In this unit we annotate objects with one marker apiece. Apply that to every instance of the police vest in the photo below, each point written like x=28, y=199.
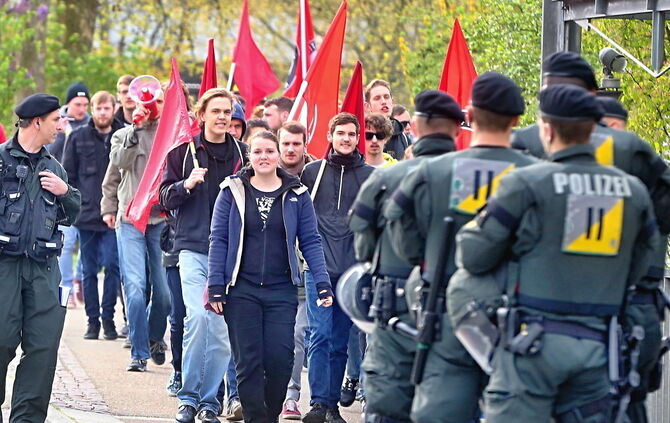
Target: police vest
x=28, y=213
x=575, y=246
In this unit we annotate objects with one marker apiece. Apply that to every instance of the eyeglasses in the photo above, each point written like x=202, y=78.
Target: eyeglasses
x=380, y=135
x=404, y=123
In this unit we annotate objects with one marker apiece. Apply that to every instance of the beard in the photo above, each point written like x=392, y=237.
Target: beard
x=102, y=123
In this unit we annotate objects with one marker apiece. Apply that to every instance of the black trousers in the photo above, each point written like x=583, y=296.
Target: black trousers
x=260, y=324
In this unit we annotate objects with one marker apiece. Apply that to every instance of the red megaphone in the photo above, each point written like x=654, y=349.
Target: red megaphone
x=145, y=90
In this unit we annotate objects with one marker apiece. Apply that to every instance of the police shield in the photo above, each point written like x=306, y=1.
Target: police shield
x=471, y=302
x=354, y=295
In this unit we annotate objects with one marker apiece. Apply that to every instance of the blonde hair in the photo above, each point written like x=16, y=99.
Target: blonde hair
x=201, y=105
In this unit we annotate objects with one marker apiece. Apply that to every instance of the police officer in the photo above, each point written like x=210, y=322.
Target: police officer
x=634, y=156
x=579, y=234
x=388, y=358
x=34, y=199
x=456, y=185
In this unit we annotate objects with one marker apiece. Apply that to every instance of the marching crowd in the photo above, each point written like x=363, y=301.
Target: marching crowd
x=251, y=235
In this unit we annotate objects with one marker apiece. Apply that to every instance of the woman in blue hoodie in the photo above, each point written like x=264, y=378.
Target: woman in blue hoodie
x=260, y=216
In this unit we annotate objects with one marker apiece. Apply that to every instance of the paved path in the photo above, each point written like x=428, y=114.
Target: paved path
x=92, y=386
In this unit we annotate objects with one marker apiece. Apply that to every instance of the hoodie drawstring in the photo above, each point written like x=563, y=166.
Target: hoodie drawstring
x=339, y=195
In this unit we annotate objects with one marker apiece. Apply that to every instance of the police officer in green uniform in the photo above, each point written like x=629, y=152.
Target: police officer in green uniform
x=34, y=199
x=388, y=358
x=578, y=235
x=628, y=152
x=457, y=185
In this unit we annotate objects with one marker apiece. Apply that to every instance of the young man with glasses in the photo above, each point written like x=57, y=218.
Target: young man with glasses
x=378, y=99
x=378, y=130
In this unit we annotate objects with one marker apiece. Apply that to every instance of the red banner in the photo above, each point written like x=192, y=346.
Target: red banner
x=354, y=102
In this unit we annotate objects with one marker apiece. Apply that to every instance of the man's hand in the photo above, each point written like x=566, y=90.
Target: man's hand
x=196, y=177
x=53, y=183
x=110, y=220
x=217, y=306
x=140, y=115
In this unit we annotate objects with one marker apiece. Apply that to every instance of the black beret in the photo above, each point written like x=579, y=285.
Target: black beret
x=437, y=104
x=569, y=103
x=36, y=105
x=78, y=89
x=612, y=108
x=497, y=93
x=567, y=64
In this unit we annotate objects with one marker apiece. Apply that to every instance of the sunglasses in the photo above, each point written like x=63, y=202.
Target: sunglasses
x=404, y=123
x=380, y=135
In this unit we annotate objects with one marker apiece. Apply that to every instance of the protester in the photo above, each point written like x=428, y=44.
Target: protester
x=125, y=113
x=138, y=252
x=32, y=303
x=276, y=112
x=237, y=126
x=77, y=100
x=401, y=114
x=292, y=158
x=263, y=206
x=378, y=99
x=378, y=131
x=85, y=159
x=339, y=177
x=254, y=126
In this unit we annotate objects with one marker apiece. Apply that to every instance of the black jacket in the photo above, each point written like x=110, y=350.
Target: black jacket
x=341, y=180
x=398, y=143
x=85, y=160
x=193, y=216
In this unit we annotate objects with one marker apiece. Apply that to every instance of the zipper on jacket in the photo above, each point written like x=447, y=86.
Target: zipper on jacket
x=265, y=242
x=339, y=195
x=283, y=219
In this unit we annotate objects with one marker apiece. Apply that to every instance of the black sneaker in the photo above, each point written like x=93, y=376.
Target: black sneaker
x=92, y=331
x=348, y=392
x=316, y=415
x=208, y=416
x=333, y=416
x=137, y=366
x=186, y=414
x=109, y=330
x=157, y=350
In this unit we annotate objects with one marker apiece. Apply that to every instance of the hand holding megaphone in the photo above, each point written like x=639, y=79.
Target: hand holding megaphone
x=145, y=90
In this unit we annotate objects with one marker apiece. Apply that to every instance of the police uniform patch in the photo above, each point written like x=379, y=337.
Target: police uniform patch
x=593, y=225
x=474, y=181
x=604, y=145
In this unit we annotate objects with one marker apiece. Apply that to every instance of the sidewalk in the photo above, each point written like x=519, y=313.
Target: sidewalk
x=92, y=385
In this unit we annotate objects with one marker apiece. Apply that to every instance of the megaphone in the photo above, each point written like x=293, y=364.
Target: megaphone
x=145, y=90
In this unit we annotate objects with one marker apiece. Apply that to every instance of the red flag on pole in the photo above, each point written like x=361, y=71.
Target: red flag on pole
x=354, y=102
x=458, y=75
x=209, y=71
x=316, y=101
x=173, y=130
x=252, y=72
x=305, y=50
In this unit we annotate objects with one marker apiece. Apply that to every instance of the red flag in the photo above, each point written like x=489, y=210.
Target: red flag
x=458, y=75
x=354, y=102
x=3, y=136
x=316, y=102
x=173, y=130
x=305, y=51
x=252, y=72
x=209, y=72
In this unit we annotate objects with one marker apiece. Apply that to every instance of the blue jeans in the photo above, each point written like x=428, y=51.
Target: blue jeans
x=327, y=352
x=229, y=384
x=65, y=261
x=354, y=354
x=98, y=249
x=177, y=315
x=206, y=352
x=145, y=322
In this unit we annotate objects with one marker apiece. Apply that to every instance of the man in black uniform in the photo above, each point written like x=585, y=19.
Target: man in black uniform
x=34, y=199
x=388, y=359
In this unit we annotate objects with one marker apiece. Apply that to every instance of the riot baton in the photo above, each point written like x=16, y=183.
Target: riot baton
x=430, y=316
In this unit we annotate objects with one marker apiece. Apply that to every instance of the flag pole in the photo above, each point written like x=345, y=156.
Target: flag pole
x=303, y=40
x=229, y=85
x=298, y=100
